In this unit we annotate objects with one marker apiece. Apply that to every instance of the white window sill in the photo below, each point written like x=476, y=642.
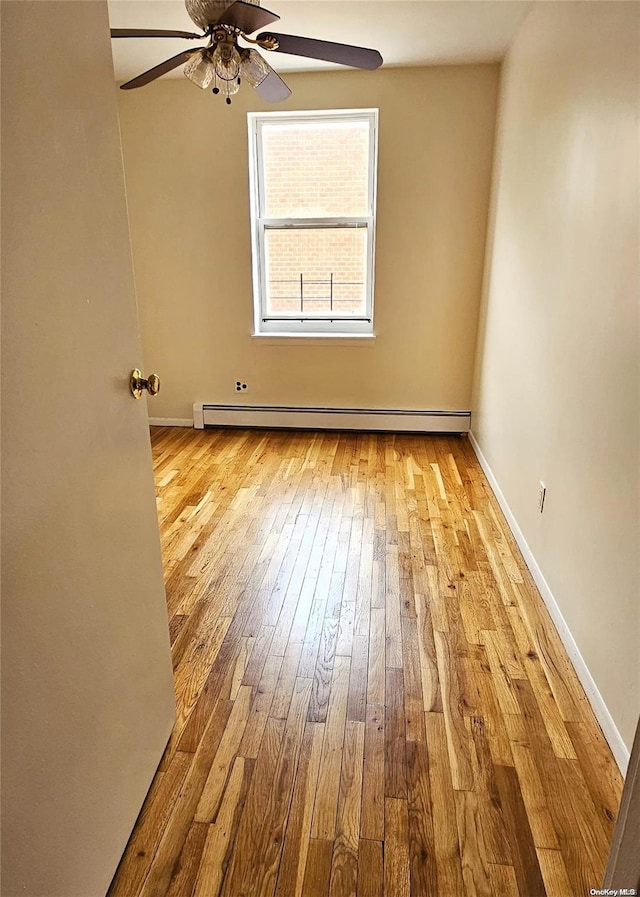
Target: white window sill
x=315, y=339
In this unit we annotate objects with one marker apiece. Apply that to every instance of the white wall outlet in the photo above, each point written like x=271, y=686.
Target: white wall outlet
x=241, y=386
x=542, y=492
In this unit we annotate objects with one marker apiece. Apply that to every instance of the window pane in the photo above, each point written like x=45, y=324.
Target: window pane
x=317, y=271
x=316, y=170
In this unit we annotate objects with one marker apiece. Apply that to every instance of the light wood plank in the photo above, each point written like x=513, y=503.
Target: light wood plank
x=344, y=862
x=326, y=804
x=224, y=758
x=296, y=845
x=370, y=869
x=445, y=827
x=553, y=872
x=397, y=879
x=473, y=853
x=372, y=818
x=457, y=735
x=221, y=833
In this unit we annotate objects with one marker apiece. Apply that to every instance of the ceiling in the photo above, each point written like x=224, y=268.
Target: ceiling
x=406, y=32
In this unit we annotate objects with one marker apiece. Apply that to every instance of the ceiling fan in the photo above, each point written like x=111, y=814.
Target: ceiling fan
x=225, y=64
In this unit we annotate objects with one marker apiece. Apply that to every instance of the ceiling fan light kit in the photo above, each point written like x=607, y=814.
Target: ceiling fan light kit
x=225, y=64
x=222, y=66
x=200, y=70
x=254, y=67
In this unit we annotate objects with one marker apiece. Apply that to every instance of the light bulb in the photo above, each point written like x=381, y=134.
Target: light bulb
x=253, y=68
x=226, y=61
x=200, y=69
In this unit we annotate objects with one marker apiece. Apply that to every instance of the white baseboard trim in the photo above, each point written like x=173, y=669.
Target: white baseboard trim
x=311, y=418
x=618, y=747
x=170, y=422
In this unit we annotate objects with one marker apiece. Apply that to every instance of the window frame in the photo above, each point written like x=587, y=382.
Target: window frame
x=308, y=325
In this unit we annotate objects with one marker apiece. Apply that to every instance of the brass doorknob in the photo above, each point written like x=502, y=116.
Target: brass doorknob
x=137, y=383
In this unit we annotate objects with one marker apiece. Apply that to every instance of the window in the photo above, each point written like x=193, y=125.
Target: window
x=313, y=177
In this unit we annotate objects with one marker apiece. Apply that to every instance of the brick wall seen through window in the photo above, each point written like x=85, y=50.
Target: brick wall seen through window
x=315, y=180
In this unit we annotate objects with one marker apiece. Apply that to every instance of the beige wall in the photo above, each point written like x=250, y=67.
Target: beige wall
x=556, y=391
x=187, y=182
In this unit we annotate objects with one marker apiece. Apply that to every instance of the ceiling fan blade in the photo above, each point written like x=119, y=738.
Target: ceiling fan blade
x=247, y=17
x=345, y=54
x=273, y=89
x=158, y=70
x=153, y=32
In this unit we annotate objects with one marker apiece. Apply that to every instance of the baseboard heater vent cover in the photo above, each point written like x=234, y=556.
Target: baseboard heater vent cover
x=309, y=418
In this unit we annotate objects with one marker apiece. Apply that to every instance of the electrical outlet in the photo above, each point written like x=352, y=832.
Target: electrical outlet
x=542, y=492
x=241, y=386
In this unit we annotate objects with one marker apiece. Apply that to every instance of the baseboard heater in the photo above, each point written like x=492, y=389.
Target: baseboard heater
x=309, y=418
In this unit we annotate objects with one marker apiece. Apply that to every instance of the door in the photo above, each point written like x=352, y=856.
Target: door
x=87, y=684
x=623, y=867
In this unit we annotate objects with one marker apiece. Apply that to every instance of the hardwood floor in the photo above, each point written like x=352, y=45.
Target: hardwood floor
x=371, y=696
